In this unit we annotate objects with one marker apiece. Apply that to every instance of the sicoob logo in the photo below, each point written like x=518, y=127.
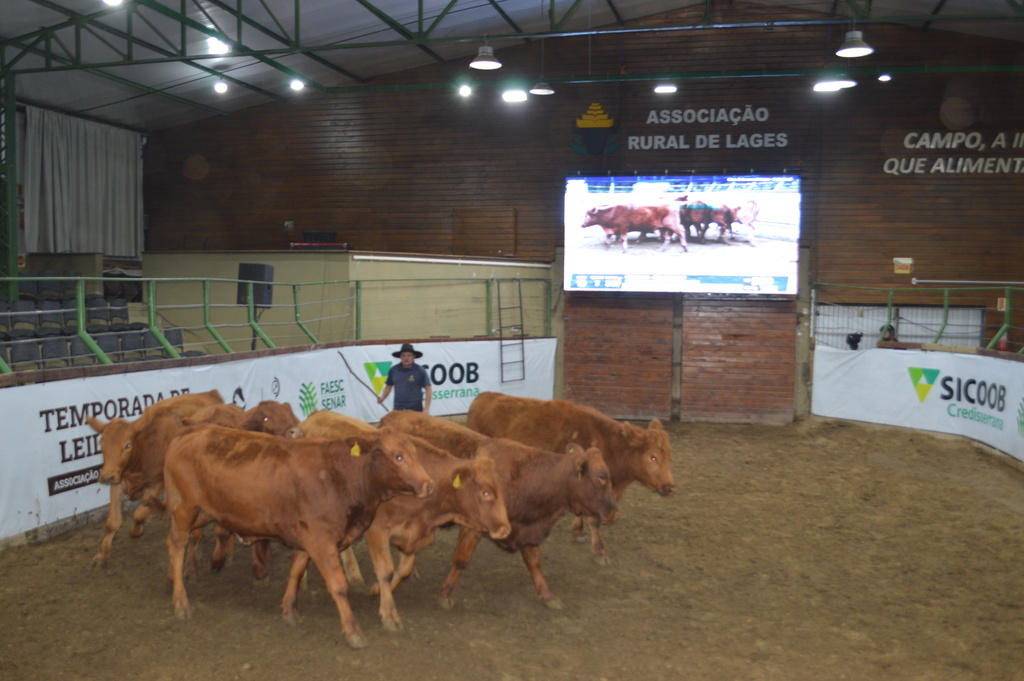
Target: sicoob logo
x=923, y=380
x=377, y=372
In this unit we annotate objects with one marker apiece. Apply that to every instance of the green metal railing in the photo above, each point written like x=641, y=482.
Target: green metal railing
x=209, y=310
x=982, y=316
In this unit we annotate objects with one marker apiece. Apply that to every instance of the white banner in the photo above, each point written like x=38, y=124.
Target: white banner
x=978, y=397
x=51, y=458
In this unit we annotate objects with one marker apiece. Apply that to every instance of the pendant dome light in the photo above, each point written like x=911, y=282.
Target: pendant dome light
x=854, y=46
x=485, y=59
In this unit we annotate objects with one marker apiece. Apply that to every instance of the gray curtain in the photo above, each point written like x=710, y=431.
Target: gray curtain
x=83, y=186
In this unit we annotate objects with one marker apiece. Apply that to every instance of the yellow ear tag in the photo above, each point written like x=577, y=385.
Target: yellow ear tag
x=579, y=473
x=457, y=482
x=355, y=450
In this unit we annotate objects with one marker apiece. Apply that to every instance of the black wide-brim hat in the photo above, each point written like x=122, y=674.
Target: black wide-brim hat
x=407, y=347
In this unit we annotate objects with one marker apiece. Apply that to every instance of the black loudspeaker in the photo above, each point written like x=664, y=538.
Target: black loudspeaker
x=262, y=293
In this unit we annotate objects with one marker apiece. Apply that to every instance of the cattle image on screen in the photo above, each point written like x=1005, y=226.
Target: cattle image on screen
x=730, y=234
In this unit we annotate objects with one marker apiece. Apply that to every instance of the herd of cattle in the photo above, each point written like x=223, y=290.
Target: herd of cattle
x=320, y=485
x=673, y=219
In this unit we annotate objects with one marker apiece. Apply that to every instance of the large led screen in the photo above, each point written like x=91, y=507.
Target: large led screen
x=732, y=234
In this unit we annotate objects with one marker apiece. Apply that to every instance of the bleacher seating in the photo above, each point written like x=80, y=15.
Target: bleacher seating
x=80, y=353
x=24, y=319
x=25, y=354
x=54, y=352
x=40, y=329
x=67, y=285
x=50, y=318
x=132, y=345
x=49, y=288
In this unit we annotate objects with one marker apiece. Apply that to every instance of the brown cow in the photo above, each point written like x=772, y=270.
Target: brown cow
x=701, y=214
x=324, y=423
x=631, y=453
x=268, y=416
x=133, y=460
x=538, y=485
x=275, y=418
x=315, y=495
x=468, y=493
x=332, y=425
x=619, y=220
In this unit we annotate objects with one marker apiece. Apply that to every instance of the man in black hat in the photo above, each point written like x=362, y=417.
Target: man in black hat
x=410, y=381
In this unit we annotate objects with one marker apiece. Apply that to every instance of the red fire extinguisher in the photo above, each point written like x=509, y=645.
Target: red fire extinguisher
x=1003, y=344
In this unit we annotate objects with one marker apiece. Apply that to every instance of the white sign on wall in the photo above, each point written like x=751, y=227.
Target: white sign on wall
x=51, y=458
x=970, y=395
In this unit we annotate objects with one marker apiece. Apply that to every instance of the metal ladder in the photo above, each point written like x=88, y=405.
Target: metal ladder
x=510, y=329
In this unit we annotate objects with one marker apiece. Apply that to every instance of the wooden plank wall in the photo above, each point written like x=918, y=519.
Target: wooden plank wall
x=390, y=171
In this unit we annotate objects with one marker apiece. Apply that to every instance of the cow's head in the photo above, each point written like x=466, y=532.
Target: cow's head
x=397, y=469
x=652, y=465
x=595, y=216
x=270, y=417
x=117, y=438
x=591, y=485
x=479, y=501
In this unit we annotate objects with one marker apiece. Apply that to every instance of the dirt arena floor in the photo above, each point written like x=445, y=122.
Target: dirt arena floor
x=819, y=551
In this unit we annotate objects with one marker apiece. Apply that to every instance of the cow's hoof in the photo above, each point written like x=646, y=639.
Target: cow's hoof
x=98, y=562
x=375, y=590
x=262, y=582
x=393, y=625
x=136, y=531
x=554, y=604
x=602, y=560
x=446, y=602
x=356, y=641
x=580, y=538
x=182, y=613
x=292, y=617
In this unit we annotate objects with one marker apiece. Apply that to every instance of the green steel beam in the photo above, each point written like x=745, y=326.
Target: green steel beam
x=186, y=22
x=254, y=319
x=419, y=41
x=437, y=20
x=566, y=16
x=95, y=27
x=508, y=20
x=298, y=316
x=400, y=30
x=123, y=81
x=283, y=38
x=208, y=323
x=151, y=319
x=9, y=213
x=82, y=323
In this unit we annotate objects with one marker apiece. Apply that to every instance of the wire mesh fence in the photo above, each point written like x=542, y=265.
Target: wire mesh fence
x=191, y=317
x=852, y=317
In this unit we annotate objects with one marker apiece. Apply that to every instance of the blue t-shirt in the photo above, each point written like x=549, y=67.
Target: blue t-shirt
x=408, y=385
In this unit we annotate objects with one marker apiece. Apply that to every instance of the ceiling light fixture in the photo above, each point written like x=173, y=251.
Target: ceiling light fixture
x=854, y=46
x=217, y=46
x=220, y=86
x=465, y=90
x=542, y=88
x=884, y=77
x=485, y=59
x=834, y=84
x=514, y=95
x=665, y=89
x=297, y=85
x=113, y=3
